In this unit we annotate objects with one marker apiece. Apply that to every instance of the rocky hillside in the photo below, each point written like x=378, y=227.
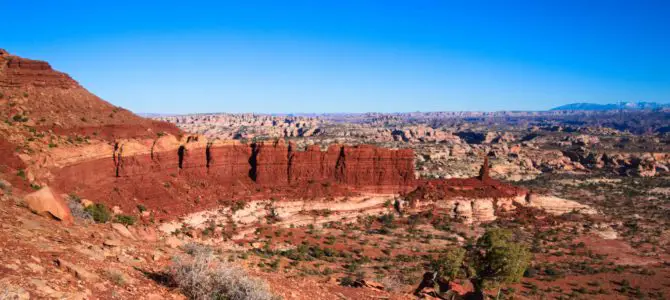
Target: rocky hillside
x=34, y=95
x=45, y=110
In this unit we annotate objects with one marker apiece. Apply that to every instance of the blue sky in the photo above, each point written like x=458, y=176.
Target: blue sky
x=350, y=56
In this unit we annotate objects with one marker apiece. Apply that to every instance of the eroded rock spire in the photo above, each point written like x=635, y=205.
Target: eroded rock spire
x=484, y=170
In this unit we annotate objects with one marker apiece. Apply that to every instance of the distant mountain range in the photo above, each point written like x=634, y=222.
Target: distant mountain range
x=624, y=105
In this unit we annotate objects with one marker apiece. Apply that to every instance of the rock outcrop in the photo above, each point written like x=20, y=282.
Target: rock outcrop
x=555, y=205
x=45, y=202
x=214, y=171
x=278, y=164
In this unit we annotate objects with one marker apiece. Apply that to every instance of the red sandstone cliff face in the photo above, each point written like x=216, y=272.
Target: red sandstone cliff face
x=277, y=164
x=194, y=178
x=366, y=165
x=315, y=165
x=269, y=163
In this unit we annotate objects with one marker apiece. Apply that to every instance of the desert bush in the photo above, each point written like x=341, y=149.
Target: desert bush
x=99, y=212
x=125, y=219
x=204, y=277
x=347, y=281
x=387, y=220
x=391, y=283
x=196, y=249
x=238, y=205
x=116, y=277
x=449, y=264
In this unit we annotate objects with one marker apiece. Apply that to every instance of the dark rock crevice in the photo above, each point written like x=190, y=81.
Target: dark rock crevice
x=289, y=163
x=340, y=165
x=253, y=163
x=180, y=153
x=118, y=159
x=208, y=154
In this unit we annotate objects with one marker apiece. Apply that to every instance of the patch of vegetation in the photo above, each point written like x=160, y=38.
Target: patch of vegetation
x=493, y=260
x=347, y=281
x=125, y=219
x=116, y=277
x=20, y=118
x=99, y=212
x=203, y=276
x=238, y=205
x=449, y=264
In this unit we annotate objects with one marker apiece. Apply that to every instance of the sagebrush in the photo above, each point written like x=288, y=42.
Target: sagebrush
x=203, y=276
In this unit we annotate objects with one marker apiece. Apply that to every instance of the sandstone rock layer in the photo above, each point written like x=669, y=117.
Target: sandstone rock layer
x=194, y=176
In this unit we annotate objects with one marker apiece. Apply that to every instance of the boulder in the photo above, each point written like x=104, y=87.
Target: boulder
x=45, y=202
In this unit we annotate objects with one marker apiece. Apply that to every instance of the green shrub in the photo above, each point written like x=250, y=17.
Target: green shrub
x=99, y=212
x=449, y=264
x=125, y=219
x=347, y=281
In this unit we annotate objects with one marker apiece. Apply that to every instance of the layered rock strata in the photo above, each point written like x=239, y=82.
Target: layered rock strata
x=200, y=174
x=277, y=164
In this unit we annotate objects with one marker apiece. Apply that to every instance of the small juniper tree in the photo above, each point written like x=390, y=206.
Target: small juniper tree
x=498, y=259
x=450, y=264
x=493, y=260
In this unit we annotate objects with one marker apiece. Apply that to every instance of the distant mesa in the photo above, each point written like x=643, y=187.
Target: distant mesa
x=605, y=107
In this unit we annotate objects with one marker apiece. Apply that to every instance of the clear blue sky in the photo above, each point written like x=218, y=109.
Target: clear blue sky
x=350, y=56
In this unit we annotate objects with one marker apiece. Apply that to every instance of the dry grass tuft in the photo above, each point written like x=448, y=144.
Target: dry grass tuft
x=203, y=276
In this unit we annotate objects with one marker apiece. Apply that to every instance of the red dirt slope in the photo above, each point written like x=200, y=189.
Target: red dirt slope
x=34, y=94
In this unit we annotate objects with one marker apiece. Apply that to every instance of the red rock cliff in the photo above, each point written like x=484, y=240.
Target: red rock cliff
x=190, y=179
x=274, y=164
